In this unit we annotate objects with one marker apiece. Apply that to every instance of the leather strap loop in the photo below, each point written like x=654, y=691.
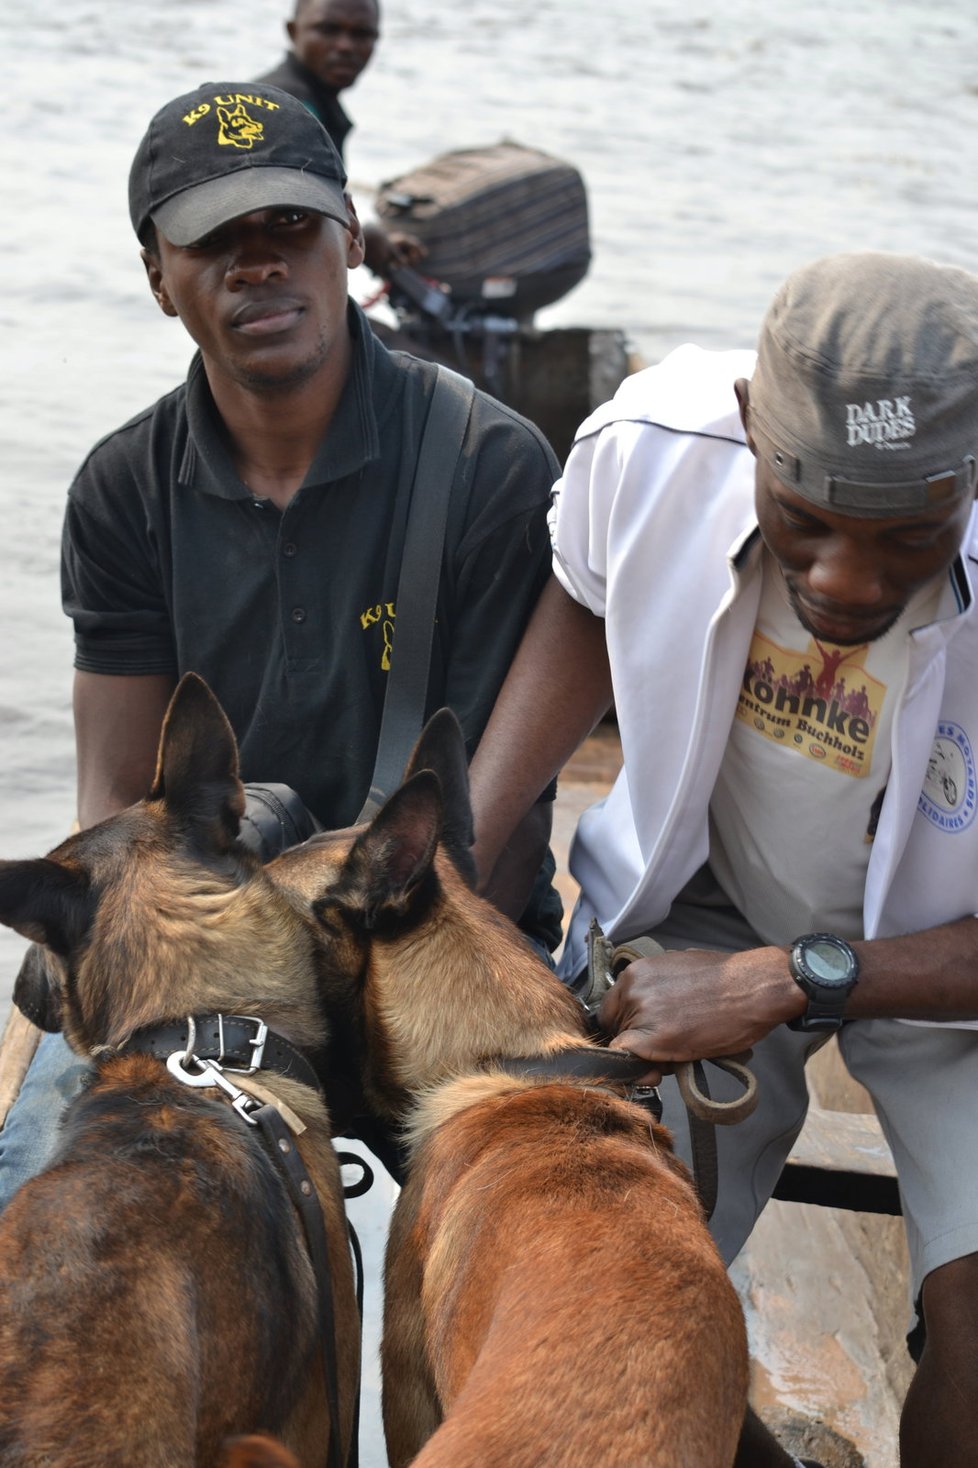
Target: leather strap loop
x=691, y=1085
x=702, y=1104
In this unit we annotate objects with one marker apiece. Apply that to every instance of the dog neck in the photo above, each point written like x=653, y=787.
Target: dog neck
x=462, y=988
x=208, y=946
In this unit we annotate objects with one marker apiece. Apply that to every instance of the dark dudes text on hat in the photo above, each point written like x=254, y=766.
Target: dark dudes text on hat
x=865, y=395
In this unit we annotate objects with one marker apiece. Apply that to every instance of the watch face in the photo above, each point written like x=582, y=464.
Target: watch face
x=828, y=961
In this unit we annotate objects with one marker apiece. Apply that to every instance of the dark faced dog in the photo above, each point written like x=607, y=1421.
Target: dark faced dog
x=158, y=1294
x=552, y=1293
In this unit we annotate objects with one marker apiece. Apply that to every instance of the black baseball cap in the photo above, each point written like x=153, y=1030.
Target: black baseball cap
x=228, y=148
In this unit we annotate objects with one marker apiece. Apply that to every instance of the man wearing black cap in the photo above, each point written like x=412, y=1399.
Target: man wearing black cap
x=250, y=525
x=770, y=564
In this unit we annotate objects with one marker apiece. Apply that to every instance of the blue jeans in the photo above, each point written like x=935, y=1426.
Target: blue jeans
x=30, y=1134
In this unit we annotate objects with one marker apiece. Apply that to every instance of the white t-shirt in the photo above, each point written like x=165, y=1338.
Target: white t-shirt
x=794, y=810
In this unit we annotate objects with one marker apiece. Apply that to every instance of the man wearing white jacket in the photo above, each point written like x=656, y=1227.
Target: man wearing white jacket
x=769, y=564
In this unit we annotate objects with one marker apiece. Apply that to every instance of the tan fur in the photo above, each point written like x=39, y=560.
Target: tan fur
x=158, y=1292
x=464, y=989
x=553, y=1296
x=205, y=943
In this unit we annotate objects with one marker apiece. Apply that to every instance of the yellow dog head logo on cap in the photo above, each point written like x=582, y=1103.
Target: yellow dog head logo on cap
x=237, y=128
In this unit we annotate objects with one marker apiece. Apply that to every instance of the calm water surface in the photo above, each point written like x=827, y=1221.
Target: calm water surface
x=721, y=145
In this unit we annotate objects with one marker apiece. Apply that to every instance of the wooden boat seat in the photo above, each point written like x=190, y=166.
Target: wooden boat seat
x=841, y=1160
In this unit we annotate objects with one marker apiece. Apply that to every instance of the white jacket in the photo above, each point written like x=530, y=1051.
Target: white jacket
x=654, y=530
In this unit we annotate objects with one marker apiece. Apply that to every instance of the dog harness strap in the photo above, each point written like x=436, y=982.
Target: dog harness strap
x=288, y=1160
x=240, y=1043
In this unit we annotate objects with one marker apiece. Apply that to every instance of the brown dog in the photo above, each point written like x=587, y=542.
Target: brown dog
x=158, y=1293
x=552, y=1293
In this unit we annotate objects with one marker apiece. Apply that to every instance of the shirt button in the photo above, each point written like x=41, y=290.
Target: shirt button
x=289, y=548
x=298, y=614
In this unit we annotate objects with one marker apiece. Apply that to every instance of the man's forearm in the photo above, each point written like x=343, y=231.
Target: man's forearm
x=687, y=1004
x=117, y=731
x=932, y=974
x=509, y=885
x=555, y=692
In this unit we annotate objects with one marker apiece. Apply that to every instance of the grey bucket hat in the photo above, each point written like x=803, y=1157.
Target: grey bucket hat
x=865, y=395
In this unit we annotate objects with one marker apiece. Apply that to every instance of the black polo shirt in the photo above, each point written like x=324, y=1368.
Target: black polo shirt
x=170, y=564
x=323, y=102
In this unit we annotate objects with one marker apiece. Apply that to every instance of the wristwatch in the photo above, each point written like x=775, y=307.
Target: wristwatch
x=826, y=968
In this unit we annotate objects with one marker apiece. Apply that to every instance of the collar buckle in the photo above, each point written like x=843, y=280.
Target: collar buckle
x=256, y=1041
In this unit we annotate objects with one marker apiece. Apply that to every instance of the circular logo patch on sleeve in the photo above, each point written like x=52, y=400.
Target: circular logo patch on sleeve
x=949, y=798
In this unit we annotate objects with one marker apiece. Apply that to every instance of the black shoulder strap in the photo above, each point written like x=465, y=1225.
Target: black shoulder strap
x=418, y=582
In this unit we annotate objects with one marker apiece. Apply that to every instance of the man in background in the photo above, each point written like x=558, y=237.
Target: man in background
x=332, y=42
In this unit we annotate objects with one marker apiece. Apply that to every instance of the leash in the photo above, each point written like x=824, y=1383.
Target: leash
x=286, y=1156
x=248, y=1040
x=355, y=1190
x=605, y=962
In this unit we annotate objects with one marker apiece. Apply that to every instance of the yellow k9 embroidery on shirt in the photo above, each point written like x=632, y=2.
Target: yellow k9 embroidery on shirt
x=384, y=615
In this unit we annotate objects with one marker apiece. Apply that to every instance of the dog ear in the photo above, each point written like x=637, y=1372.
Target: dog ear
x=37, y=993
x=45, y=901
x=197, y=765
x=391, y=859
x=441, y=747
x=257, y=1450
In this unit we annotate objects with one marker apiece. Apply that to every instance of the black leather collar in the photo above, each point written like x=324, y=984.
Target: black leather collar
x=239, y=1043
x=594, y=1063
x=579, y=1062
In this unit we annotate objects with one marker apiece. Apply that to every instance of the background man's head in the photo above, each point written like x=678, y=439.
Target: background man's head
x=863, y=417
x=335, y=38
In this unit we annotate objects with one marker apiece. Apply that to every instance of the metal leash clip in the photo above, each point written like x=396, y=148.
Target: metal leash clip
x=649, y=1097
x=209, y=1073
x=597, y=978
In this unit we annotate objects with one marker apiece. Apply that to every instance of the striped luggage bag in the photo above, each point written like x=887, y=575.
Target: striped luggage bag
x=505, y=226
